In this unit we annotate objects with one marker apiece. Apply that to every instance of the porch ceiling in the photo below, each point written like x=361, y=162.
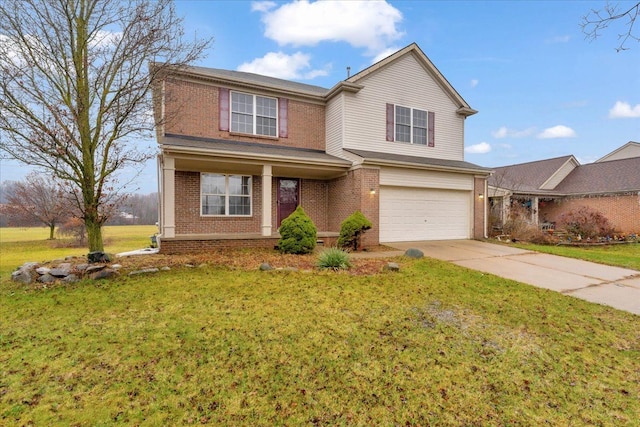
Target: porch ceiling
x=211, y=155
x=254, y=167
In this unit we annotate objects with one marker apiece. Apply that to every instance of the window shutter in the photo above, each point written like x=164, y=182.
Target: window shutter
x=390, y=122
x=223, y=100
x=431, y=130
x=283, y=117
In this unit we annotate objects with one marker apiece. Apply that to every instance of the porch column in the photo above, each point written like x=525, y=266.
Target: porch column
x=534, y=210
x=267, y=185
x=168, y=224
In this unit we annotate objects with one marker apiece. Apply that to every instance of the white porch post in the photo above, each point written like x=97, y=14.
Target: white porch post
x=267, y=185
x=534, y=210
x=168, y=198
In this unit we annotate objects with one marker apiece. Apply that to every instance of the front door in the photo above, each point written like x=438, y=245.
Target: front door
x=288, y=197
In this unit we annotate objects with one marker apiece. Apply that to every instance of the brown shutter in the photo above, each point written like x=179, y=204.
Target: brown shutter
x=283, y=117
x=390, y=122
x=431, y=129
x=223, y=101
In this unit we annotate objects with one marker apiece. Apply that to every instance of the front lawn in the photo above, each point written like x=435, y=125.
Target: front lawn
x=622, y=255
x=434, y=344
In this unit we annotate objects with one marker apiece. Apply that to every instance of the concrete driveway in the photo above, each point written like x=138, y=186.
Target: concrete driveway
x=613, y=286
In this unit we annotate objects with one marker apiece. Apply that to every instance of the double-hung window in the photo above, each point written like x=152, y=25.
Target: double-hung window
x=411, y=125
x=225, y=195
x=254, y=114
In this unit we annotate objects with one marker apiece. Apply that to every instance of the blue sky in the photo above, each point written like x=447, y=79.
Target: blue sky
x=541, y=89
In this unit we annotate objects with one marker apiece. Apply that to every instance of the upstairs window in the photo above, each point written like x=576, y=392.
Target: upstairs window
x=225, y=195
x=254, y=114
x=411, y=125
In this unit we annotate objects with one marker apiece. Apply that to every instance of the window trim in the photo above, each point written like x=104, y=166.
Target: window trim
x=412, y=127
x=254, y=114
x=226, y=196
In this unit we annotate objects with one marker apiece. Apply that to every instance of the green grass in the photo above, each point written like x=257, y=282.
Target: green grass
x=19, y=245
x=621, y=255
x=434, y=344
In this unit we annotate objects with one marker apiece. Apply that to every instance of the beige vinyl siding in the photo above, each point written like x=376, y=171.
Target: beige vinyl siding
x=334, y=125
x=425, y=179
x=625, y=152
x=403, y=82
x=560, y=174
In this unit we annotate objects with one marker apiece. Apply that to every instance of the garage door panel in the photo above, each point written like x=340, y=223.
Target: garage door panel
x=408, y=214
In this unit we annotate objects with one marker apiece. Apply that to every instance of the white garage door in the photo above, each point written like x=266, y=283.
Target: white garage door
x=408, y=214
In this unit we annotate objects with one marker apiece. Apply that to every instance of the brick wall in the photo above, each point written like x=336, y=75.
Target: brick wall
x=191, y=109
x=353, y=192
x=479, y=208
x=172, y=246
x=623, y=211
x=189, y=220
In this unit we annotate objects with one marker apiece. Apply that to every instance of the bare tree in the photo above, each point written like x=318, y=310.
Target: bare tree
x=37, y=199
x=596, y=21
x=75, y=89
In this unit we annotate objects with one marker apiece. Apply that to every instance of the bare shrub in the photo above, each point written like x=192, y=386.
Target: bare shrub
x=74, y=229
x=586, y=222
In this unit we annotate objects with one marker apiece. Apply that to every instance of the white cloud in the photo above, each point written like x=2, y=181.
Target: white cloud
x=559, y=39
x=504, y=132
x=262, y=6
x=624, y=110
x=474, y=82
x=104, y=38
x=386, y=52
x=362, y=24
x=559, y=131
x=281, y=65
x=481, y=148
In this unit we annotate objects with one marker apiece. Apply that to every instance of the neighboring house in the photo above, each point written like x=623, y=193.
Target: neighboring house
x=549, y=188
x=239, y=152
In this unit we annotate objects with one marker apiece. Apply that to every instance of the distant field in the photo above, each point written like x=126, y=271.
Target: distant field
x=19, y=245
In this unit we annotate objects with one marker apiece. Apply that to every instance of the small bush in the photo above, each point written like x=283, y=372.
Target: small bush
x=334, y=258
x=298, y=233
x=586, y=222
x=352, y=229
x=74, y=228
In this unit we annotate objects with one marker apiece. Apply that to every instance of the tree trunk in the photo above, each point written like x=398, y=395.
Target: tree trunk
x=94, y=235
x=52, y=228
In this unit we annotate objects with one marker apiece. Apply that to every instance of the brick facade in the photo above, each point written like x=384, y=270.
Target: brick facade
x=180, y=246
x=479, y=209
x=191, y=108
x=622, y=211
x=352, y=192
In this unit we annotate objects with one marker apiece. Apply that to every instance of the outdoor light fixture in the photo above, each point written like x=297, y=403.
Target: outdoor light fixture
x=481, y=196
x=372, y=190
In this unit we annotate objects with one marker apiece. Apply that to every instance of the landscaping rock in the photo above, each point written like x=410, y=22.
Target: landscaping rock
x=144, y=271
x=116, y=266
x=98, y=256
x=265, y=266
x=62, y=270
x=391, y=266
x=94, y=268
x=165, y=268
x=22, y=276
x=42, y=270
x=414, y=253
x=104, y=273
x=82, y=267
x=46, y=278
x=72, y=278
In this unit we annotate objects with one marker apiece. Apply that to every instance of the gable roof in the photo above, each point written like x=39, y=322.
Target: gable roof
x=613, y=176
x=413, y=49
x=241, y=78
x=386, y=159
x=528, y=177
x=630, y=149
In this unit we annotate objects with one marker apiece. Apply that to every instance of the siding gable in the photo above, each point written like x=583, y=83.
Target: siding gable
x=405, y=82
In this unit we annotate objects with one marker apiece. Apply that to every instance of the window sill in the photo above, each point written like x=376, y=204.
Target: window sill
x=251, y=135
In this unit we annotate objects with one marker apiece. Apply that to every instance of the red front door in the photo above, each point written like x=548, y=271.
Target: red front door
x=288, y=197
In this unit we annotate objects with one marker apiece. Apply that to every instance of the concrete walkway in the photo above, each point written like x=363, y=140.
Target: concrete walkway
x=613, y=286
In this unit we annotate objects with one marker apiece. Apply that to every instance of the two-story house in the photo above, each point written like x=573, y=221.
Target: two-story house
x=239, y=152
